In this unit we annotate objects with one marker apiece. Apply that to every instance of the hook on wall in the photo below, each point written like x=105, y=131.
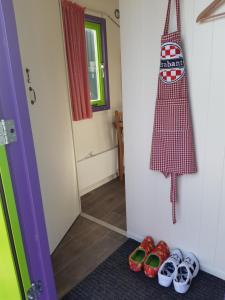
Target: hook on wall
x=117, y=13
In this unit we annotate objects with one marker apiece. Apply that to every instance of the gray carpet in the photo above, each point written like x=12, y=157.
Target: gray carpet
x=113, y=280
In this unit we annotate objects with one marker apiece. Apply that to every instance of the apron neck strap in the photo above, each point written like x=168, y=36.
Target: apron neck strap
x=166, y=29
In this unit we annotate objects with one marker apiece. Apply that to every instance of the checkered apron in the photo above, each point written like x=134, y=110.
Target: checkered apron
x=172, y=150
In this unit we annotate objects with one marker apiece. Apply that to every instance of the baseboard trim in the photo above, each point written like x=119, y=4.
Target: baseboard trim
x=103, y=223
x=134, y=236
x=97, y=184
x=208, y=269
x=218, y=273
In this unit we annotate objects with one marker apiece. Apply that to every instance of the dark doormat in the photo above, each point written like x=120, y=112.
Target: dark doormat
x=113, y=280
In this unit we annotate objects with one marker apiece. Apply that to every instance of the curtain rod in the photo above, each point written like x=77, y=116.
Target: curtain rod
x=104, y=14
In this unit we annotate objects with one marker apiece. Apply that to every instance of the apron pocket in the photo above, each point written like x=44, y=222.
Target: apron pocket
x=172, y=115
x=179, y=152
x=173, y=152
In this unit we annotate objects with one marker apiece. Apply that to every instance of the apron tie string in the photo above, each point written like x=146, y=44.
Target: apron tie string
x=173, y=195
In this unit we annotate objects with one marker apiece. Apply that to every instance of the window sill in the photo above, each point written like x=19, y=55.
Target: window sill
x=100, y=108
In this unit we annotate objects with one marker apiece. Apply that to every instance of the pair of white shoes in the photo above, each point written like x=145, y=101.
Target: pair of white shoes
x=181, y=270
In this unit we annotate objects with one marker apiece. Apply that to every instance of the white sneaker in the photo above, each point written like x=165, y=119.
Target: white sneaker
x=168, y=269
x=185, y=272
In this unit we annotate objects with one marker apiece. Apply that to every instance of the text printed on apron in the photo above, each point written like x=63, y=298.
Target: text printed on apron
x=172, y=150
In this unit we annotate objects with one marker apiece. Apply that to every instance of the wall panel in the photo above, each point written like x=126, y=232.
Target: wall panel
x=201, y=203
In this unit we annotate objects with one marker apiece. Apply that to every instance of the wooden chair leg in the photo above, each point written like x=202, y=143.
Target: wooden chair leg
x=119, y=132
x=121, y=171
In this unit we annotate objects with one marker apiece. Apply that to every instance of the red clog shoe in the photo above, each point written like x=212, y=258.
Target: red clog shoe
x=154, y=260
x=138, y=256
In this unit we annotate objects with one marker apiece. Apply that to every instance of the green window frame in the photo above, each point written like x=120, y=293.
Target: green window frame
x=95, y=30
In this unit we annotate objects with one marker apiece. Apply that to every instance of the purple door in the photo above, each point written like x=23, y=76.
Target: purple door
x=21, y=156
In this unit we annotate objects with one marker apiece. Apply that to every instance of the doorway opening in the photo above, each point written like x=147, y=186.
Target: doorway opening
x=99, y=140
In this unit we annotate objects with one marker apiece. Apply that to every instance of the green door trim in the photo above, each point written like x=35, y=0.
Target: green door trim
x=101, y=92
x=9, y=210
x=10, y=282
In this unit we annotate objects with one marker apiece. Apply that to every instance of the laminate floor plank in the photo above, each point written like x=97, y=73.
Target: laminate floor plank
x=107, y=203
x=84, y=247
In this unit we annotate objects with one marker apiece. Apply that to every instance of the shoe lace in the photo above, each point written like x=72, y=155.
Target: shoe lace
x=175, y=256
x=188, y=260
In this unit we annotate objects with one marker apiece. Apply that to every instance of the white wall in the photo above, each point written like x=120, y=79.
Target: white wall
x=104, y=166
x=201, y=207
x=97, y=135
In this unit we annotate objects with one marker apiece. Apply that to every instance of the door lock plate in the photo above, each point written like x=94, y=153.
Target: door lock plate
x=7, y=132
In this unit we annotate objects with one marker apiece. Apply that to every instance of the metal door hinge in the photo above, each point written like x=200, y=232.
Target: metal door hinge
x=35, y=290
x=7, y=132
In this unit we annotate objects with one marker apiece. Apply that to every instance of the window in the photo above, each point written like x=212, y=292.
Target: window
x=95, y=31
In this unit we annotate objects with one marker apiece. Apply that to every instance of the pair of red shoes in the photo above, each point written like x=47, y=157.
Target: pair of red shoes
x=149, y=257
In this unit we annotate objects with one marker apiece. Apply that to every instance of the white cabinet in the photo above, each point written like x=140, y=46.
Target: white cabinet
x=42, y=51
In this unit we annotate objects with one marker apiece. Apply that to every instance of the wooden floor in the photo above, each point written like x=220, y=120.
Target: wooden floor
x=107, y=203
x=83, y=248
